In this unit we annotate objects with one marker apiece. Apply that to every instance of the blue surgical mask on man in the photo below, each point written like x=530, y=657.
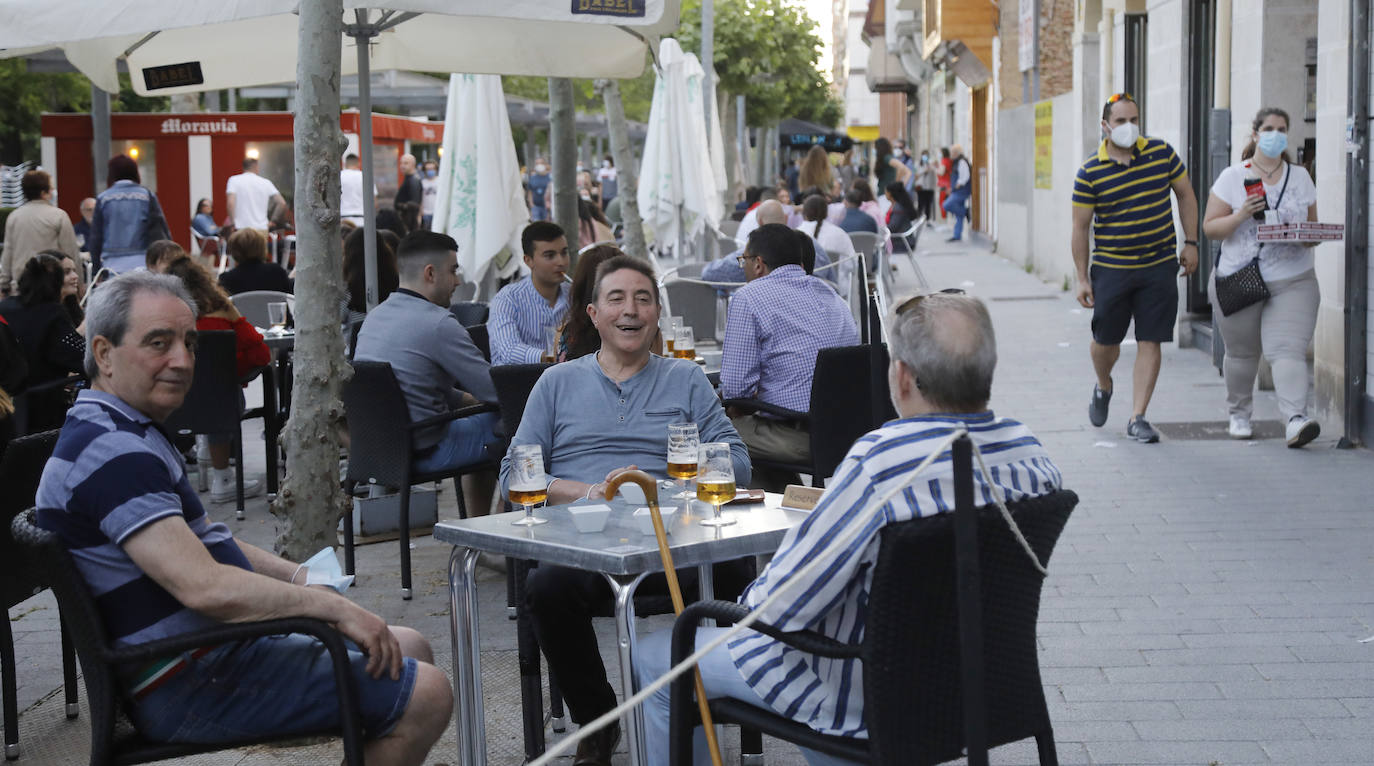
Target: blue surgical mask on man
x=1272, y=143
x=431, y=173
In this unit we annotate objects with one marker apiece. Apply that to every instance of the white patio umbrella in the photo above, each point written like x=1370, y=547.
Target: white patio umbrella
x=481, y=201
x=197, y=45
x=237, y=43
x=682, y=175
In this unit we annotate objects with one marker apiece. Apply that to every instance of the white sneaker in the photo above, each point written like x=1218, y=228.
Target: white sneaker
x=1301, y=430
x=222, y=486
x=1240, y=427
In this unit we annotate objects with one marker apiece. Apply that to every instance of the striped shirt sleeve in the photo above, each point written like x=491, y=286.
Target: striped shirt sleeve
x=740, y=369
x=1083, y=194
x=845, y=500
x=1176, y=168
x=507, y=347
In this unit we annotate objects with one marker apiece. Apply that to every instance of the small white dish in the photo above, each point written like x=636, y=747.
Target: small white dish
x=590, y=518
x=645, y=521
x=633, y=493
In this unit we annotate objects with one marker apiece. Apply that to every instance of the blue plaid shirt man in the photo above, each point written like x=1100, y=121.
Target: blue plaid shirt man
x=778, y=324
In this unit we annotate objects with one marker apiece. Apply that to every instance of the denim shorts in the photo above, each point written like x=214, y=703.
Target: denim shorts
x=278, y=685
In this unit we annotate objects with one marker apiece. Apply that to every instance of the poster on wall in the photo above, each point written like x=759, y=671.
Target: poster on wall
x=1044, y=145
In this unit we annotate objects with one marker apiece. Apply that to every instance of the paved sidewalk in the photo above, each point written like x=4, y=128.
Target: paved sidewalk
x=1204, y=605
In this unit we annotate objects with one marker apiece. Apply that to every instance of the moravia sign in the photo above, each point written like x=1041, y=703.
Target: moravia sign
x=173, y=126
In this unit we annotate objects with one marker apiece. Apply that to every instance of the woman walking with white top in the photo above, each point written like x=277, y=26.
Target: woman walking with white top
x=1281, y=325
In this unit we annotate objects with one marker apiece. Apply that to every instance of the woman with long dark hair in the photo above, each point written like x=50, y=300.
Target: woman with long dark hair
x=355, y=276
x=578, y=337
x=1280, y=326
x=52, y=347
x=900, y=216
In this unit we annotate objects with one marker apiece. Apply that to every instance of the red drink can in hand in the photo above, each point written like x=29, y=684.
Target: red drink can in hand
x=1255, y=188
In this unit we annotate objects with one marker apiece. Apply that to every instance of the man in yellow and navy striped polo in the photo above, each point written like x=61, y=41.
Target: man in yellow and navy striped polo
x=1123, y=192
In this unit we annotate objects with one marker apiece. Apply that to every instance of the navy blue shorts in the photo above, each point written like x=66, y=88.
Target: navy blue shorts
x=279, y=685
x=1147, y=296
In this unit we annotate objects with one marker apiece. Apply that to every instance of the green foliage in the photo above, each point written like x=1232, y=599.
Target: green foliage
x=24, y=96
x=769, y=52
x=636, y=94
x=129, y=101
x=27, y=95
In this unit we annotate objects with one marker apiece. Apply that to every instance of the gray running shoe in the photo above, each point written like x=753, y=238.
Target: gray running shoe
x=1140, y=429
x=1097, y=407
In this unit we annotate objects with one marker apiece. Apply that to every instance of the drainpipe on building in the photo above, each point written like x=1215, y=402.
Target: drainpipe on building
x=1356, y=223
x=1221, y=81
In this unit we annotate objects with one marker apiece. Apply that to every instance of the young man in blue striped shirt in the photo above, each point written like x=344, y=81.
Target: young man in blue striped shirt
x=944, y=353
x=1122, y=194
x=522, y=310
x=115, y=493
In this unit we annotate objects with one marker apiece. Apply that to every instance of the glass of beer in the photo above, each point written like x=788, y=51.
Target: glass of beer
x=667, y=327
x=550, y=354
x=684, y=345
x=276, y=317
x=528, y=485
x=683, y=445
x=715, y=480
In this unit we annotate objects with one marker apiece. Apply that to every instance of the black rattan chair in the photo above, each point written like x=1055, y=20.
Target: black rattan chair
x=20, y=470
x=379, y=452
x=470, y=313
x=949, y=664
x=481, y=339
x=849, y=398
x=212, y=404
x=114, y=738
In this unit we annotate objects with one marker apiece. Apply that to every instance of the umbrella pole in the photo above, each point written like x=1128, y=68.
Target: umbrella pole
x=362, y=33
x=650, y=487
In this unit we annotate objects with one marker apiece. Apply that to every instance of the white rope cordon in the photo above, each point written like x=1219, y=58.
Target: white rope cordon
x=999, y=497
x=847, y=535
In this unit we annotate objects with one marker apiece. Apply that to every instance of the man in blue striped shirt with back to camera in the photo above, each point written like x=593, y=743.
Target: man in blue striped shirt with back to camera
x=116, y=495
x=944, y=353
x=523, y=310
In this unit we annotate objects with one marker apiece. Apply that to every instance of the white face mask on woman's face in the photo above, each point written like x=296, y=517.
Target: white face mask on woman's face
x=1125, y=134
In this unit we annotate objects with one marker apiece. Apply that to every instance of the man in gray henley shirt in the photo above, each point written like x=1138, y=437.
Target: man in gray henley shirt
x=594, y=417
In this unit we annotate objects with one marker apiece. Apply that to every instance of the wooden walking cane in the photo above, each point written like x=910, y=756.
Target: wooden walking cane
x=650, y=487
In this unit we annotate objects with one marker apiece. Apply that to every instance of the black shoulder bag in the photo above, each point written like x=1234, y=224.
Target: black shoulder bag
x=1245, y=286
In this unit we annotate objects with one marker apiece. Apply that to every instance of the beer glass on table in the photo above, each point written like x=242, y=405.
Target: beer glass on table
x=684, y=345
x=683, y=445
x=550, y=353
x=528, y=485
x=715, y=480
x=276, y=317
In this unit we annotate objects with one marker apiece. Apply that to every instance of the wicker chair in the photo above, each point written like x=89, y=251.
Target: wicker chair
x=379, y=431
x=849, y=398
x=20, y=470
x=114, y=738
x=949, y=667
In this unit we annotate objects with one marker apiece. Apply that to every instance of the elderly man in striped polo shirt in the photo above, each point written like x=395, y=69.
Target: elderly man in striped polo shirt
x=115, y=492
x=1122, y=192
x=944, y=353
x=523, y=310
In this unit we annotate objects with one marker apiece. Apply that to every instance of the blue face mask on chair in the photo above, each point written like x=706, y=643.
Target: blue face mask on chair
x=1272, y=143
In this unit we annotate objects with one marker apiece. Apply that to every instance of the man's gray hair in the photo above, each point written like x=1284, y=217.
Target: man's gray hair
x=112, y=303
x=948, y=344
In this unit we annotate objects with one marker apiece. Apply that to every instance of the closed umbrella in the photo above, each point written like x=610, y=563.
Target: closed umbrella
x=682, y=176
x=481, y=201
